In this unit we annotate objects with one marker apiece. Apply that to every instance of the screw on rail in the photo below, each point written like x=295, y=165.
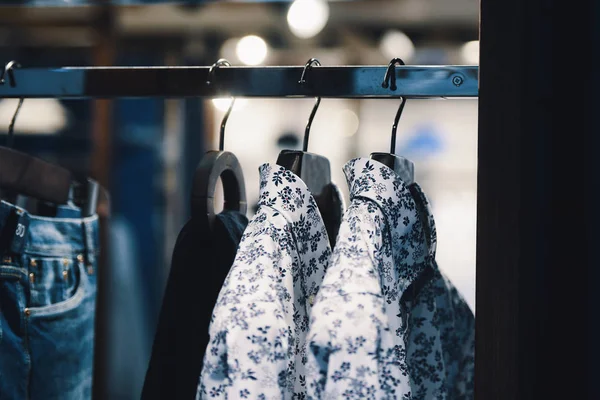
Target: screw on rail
x=457, y=80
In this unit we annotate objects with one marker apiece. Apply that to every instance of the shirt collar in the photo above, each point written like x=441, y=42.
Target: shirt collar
x=375, y=181
x=285, y=192
x=288, y=195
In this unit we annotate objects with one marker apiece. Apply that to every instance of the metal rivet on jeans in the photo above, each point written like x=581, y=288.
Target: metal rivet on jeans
x=31, y=277
x=65, y=261
x=27, y=312
x=80, y=257
x=65, y=274
x=33, y=263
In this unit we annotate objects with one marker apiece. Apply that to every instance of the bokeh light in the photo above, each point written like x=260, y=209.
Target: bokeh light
x=306, y=18
x=251, y=50
x=470, y=52
x=395, y=43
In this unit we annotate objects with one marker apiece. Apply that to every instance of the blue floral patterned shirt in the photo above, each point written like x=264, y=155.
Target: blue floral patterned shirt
x=257, y=347
x=386, y=324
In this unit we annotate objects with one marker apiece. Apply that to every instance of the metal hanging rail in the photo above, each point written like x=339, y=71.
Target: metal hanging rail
x=334, y=82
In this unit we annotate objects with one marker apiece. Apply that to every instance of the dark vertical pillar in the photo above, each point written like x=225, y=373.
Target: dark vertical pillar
x=103, y=55
x=591, y=188
x=195, y=145
x=138, y=204
x=198, y=124
x=538, y=137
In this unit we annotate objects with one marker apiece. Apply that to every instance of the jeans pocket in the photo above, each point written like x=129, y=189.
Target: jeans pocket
x=69, y=287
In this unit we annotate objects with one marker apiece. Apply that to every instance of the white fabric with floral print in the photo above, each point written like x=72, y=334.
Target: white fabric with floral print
x=386, y=324
x=257, y=347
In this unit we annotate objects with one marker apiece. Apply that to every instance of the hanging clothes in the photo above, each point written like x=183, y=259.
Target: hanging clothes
x=48, y=270
x=201, y=260
x=258, y=332
x=462, y=378
x=386, y=324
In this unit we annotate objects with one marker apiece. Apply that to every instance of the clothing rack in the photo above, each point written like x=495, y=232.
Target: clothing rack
x=223, y=81
x=327, y=81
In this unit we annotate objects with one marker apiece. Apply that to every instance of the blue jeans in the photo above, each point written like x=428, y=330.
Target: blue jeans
x=47, y=304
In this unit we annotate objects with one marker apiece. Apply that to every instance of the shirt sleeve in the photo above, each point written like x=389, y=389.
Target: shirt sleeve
x=251, y=340
x=347, y=358
x=248, y=354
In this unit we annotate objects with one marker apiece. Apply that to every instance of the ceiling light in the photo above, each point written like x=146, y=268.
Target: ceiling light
x=251, y=50
x=395, y=43
x=306, y=18
x=470, y=52
x=222, y=104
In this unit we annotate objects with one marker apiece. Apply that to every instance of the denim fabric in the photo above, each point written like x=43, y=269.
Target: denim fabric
x=47, y=304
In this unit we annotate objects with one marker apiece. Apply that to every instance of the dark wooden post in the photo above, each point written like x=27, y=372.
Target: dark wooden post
x=104, y=53
x=537, y=264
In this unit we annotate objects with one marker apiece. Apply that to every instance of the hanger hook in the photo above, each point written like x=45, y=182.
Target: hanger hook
x=307, y=66
x=391, y=73
x=9, y=71
x=222, y=62
x=395, y=126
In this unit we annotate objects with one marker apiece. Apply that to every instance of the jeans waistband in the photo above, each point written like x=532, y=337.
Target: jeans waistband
x=23, y=233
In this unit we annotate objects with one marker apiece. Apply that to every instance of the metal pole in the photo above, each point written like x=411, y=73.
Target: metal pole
x=168, y=82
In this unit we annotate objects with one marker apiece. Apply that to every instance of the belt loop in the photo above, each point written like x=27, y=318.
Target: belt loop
x=14, y=231
x=4, y=241
x=21, y=232
x=90, y=242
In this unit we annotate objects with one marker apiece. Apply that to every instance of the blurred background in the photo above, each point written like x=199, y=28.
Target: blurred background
x=145, y=150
